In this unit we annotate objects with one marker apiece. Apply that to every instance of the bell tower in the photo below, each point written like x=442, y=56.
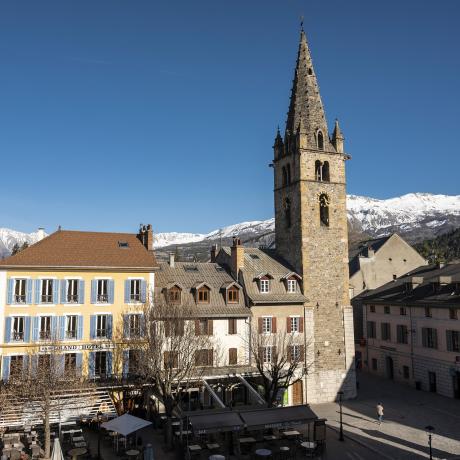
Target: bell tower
x=311, y=230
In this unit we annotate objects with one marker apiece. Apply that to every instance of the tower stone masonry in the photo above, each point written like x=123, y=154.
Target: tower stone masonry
x=311, y=231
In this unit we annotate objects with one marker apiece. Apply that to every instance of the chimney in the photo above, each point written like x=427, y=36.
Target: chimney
x=237, y=262
x=171, y=259
x=40, y=233
x=145, y=235
x=370, y=252
x=213, y=253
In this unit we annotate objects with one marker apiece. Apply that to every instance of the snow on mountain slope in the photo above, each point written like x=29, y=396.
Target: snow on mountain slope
x=8, y=238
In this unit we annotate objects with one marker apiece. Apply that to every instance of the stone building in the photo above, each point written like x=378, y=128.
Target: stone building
x=311, y=229
x=412, y=330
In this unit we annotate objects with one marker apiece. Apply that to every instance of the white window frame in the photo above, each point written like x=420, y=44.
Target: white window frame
x=101, y=320
x=104, y=283
x=295, y=352
x=267, y=355
x=23, y=287
x=264, y=286
x=292, y=286
x=68, y=320
x=134, y=325
x=74, y=282
x=295, y=323
x=46, y=333
x=133, y=284
x=267, y=324
x=18, y=318
x=46, y=289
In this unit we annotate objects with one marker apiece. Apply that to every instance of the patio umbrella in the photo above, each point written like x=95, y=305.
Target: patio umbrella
x=148, y=452
x=57, y=451
x=126, y=424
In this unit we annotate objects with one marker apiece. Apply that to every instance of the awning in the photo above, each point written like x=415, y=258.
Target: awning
x=216, y=422
x=277, y=417
x=126, y=424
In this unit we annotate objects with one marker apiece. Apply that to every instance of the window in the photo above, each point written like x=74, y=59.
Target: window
x=133, y=362
x=203, y=327
x=203, y=295
x=71, y=327
x=324, y=210
x=267, y=354
x=428, y=312
x=322, y=171
x=266, y=325
x=232, y=356
x=19, y=291
x=232, y=326
x=287, y=212
x=18, y=329
x=386, y=310
x=45, y=327
x=453, y=341
x=204, y=358
x=174, y=295
x=401, y=333
x=292, y=286
x=47, y=291
x=296, y=353
x=374, y=364
x=135, y=289
x=429, y=337
x=403, y=311
x=371, y=330
x=295, y=324
x=101, y=326
x=372, y=308
x=453, y=313
x=264, y=285
x=16, y=366
x=70, y=364
x=72, y=291
x=102, y=291
x=386, y=331
x=100, y=363
x=233, y=295
x=171, y=359
x=174, y=328
x=134, y=326
x=320, y=140
x=405, y=372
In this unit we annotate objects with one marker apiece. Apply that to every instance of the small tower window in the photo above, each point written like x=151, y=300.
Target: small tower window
x=288, y=169
x=320, y=140
x=322, y=171
x=326, y=171
x=284, y=179
x=287, y=212
x=310, y=72
x=324, y=210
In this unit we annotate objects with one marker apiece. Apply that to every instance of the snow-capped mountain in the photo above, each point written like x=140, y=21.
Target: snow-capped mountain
x=8, y=238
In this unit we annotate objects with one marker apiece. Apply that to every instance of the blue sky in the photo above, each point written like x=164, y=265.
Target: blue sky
x=118, y=112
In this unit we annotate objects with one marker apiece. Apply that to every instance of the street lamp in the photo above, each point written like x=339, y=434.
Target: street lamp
x=99, y=420
x=429, y=431
x=341, y=438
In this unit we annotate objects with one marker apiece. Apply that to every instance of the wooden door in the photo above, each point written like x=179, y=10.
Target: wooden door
x=297, y=393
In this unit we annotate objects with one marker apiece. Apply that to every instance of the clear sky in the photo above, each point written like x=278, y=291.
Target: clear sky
x=114, y=113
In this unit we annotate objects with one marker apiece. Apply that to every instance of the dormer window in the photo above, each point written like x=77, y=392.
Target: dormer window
x=264, y=284
x=232, y=295
x=203, y=295
x=292, y=285
x=174, y=295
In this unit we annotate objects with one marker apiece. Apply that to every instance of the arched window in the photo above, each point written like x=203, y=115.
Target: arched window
x=310, y=71
x=326, y=171
x=324, y=210
x=288, y=173
x=284, y=180
x=320, y=140
x=287, y=212
x=318, y=170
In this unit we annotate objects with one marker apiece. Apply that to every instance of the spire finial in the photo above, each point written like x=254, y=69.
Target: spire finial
x=301, y=23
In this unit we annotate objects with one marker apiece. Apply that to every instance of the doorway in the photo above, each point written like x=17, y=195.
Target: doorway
x=390, y=367
x=456, y=384
x=297, y=393
x=432, y=381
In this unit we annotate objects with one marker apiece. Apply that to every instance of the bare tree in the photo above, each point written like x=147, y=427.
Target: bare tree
x=280, y=361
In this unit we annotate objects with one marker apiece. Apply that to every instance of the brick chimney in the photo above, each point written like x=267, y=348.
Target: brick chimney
x=145, y=235
x=237, y=262
x=213, y=253
x=171, y=260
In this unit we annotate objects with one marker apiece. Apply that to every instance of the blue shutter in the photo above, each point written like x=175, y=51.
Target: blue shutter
x=109, y=363
x=6, y=368
x=55, y=292
x=27, y=329
x=93, y=291
x=110, y=286
x=10, y=291
x=37, y=291
x=127, y=291
x=29, y=292
x=54, y=328
x=81, y=291
x=142, y=322
x=80, y=328
x=62, y=327
x=79, y=362
x=35, y=328
x=125, y=363
x=109, y=326
x=92, y=327
x=91, y=363
x=63, y=291
x=7, y=329
x=143, y=291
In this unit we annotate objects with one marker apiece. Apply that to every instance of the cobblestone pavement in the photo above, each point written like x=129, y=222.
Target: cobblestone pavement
x=407, y=412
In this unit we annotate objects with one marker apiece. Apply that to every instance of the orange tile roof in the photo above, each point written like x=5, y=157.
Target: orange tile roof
x=66, y=248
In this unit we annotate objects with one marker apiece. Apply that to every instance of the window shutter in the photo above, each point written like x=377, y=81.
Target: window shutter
x=7, y=329
x=35, y=328
x=274, y=356
x=289, y=350
x=81, y=291
x=210, y=327
x=37, y=291
x=125, y=363
x=109, y=326
x=29, y=292
x=127, y=291
x=197, y=327
x=93, y=291
x=10, y=291
x=143, y=291
x=62, y=328
x=261, y=354
x=382, y=327
x=288, y=325
x=79, y=362
x=80, y=328
x=109, y=363
x=55, y=292
x=63, y=291
x=142, y=325
x=301, y=325
x=111, y=285
x=210, y=357
x=260, y=325
x=91, y=364
x=126, y=326
x=27, y=329
x=54, y=328
x=274, y=324
x=92, y=327
x=232, y=356
x=450, y=346
x=6, y=368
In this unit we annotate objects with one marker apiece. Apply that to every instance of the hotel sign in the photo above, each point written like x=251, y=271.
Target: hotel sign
x=89, y=346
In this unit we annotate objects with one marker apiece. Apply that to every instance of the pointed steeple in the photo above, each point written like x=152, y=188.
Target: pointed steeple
x=306, y=104
x=278, y=146
x=337, y=137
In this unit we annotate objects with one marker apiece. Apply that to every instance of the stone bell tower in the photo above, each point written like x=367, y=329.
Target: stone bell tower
x=311, y=231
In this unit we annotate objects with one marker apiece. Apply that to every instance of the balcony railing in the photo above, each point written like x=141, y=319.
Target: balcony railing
x=45, y=335
x=71, y=334
x=101, y=333
x=47, y=298
x=134, y=332
x=19, y=298
x=18, y=336
x=72, y=298
x=135, y=297
x=102, y=298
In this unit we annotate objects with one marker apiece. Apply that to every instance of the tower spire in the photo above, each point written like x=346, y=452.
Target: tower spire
x=306, y=104
x=337, y=137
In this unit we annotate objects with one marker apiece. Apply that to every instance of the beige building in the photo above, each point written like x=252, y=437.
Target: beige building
x=412, y=330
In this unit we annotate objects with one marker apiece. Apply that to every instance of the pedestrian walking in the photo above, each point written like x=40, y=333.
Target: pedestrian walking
x=380, y=412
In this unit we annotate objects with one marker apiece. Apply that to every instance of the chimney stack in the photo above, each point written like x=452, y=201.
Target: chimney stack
x=145, y=235
x=171, y=260
x=237, y=262
x=213, y=253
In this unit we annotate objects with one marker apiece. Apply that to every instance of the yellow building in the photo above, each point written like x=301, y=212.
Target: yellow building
x=69, y=292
